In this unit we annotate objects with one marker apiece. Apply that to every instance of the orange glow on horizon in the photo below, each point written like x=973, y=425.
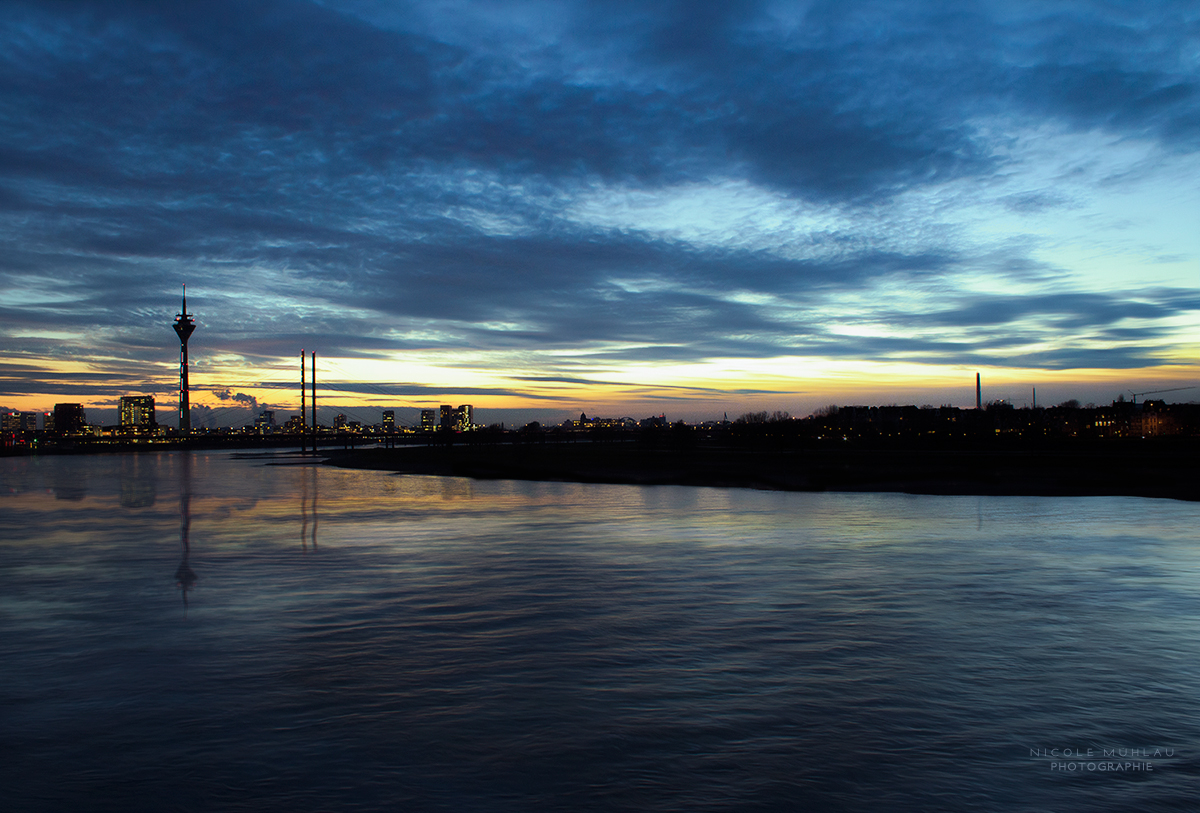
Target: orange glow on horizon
x=706, y=388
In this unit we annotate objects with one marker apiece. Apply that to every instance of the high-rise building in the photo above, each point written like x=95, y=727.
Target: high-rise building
x=69, y=419
x=18, y=422
x=389, y=420
x=447, y=417
x=136, y=413
x=184, y=326
x=265, y=419
x=47, y=421
x=339, y=423
x=464, y=418
x=428, y=420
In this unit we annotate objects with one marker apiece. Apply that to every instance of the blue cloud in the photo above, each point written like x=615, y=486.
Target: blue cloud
x=324, y=174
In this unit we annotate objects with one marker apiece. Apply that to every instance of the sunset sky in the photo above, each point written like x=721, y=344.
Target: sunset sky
x=622, y=208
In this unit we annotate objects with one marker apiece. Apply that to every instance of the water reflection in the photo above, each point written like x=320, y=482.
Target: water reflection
x=305, y=487
x=138, y=481
x=70, y=482
x=457, y=488
x=185, y=577
x=604, y=647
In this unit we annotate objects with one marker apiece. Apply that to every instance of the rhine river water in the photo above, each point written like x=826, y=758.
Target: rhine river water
x=208, y=631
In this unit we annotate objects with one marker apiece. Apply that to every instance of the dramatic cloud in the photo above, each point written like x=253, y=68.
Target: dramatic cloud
x=531, y=202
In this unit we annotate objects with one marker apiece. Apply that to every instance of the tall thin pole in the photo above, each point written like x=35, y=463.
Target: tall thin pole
x=314, y=399
x=303, y=416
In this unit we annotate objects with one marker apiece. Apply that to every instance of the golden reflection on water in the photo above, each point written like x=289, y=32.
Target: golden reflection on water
x=239, y=512
x=308, y=484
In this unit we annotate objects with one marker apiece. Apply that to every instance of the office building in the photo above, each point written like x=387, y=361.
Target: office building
x=19, y=422
x=69, y=419
x=464, y=418
x=136, y=413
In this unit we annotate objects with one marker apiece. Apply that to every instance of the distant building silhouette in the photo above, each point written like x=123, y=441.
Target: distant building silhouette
x=69, y=419
x=389, y=420
x=453, y=419
x=428, y=420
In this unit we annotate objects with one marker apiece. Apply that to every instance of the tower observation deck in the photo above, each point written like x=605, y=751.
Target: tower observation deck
x=184, y=326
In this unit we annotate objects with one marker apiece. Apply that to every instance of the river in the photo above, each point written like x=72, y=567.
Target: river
x=215, y=631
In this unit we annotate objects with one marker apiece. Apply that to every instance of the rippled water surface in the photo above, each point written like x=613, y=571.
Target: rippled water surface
x=211, y=632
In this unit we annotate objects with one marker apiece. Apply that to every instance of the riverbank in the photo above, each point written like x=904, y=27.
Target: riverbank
x=199, y=443
x=1118, y=471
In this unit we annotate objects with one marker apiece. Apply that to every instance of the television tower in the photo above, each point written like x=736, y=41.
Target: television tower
x=184, y=326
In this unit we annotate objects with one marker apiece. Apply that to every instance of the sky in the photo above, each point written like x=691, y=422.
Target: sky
x=619, y=208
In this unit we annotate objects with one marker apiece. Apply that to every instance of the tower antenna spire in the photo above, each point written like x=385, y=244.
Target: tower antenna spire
x=184, y=327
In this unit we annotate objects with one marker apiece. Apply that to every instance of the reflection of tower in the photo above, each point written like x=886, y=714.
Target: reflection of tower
x=304, y=509
x=184, y=325
x=184, y=576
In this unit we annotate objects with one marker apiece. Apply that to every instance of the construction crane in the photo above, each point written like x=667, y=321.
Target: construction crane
x=1155, y=392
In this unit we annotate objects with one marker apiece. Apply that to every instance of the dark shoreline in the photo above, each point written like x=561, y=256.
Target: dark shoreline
x=1167, y=472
